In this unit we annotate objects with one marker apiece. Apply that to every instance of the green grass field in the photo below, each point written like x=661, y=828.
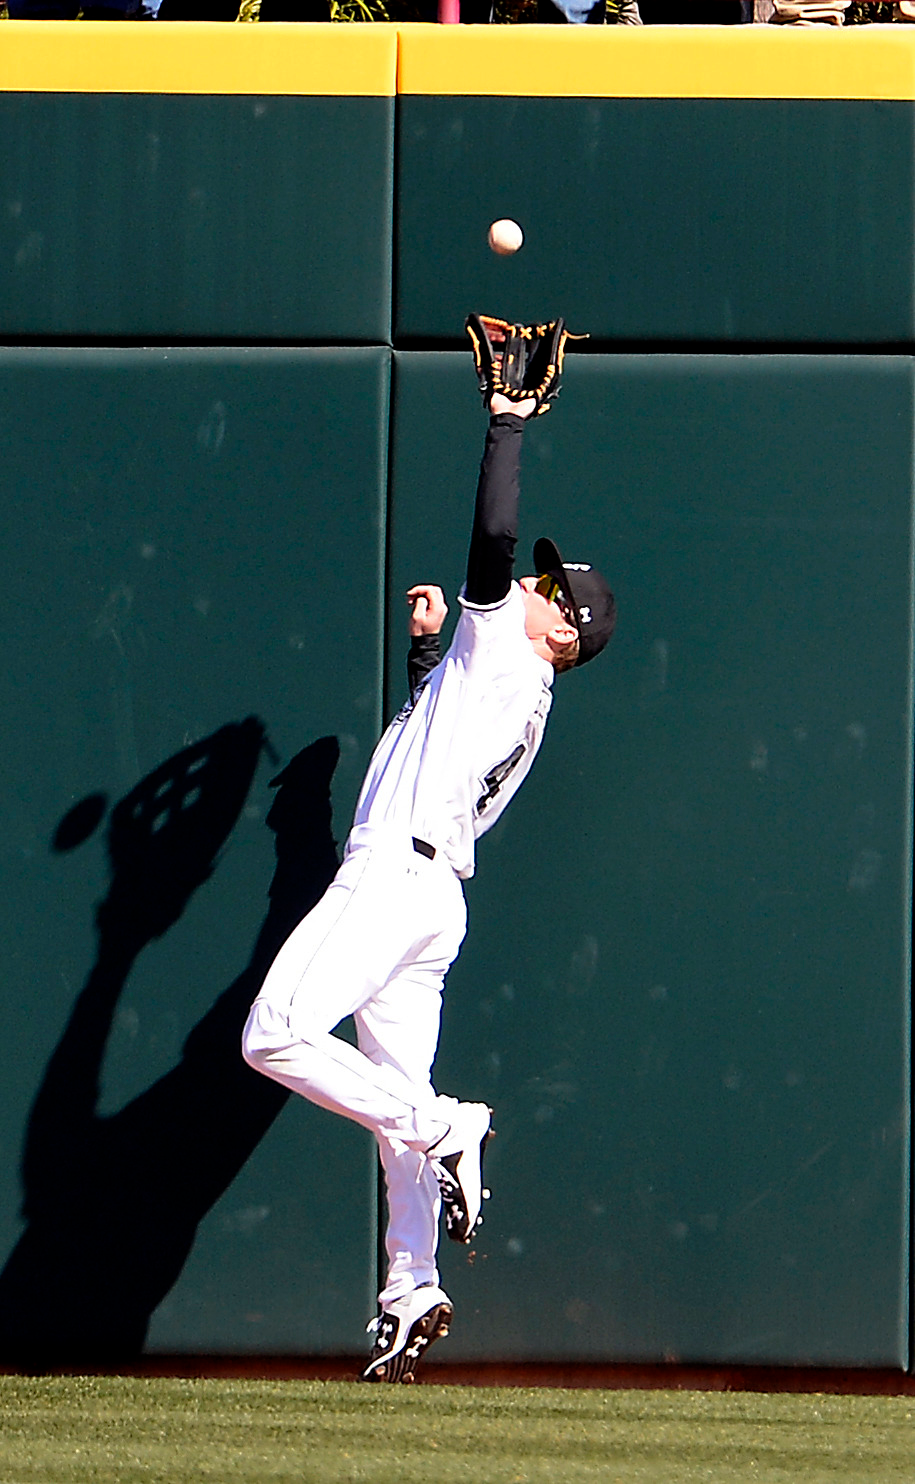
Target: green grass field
x=79, y=1430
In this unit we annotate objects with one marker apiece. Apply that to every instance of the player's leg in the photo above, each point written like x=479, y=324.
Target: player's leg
x=413, y=1308
x=338, y=957
x=330, y=1073
x=399, y=1027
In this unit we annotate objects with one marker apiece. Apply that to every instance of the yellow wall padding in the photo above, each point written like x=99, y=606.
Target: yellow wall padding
x=659, y=61
x=197, y=57
x=866, y=62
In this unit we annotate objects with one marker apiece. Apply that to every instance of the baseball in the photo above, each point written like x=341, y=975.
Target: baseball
x=505, y=236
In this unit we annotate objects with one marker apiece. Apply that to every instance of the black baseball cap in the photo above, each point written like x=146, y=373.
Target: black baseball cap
x=590, y=598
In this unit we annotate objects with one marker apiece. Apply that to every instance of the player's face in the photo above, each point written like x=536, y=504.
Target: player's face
x=543, y=615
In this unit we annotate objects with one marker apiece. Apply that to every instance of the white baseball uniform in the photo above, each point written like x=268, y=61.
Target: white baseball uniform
x=379, y=943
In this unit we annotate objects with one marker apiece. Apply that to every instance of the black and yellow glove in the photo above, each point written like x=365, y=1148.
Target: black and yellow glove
x=518, y=361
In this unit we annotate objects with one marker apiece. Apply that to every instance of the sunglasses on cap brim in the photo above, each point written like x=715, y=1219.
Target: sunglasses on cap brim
x=549, y=588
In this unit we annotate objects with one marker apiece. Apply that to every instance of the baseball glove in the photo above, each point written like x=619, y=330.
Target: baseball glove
x=518, y=361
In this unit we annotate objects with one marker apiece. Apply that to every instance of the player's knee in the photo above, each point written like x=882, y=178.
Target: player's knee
x=269, y=1046
x=255, y=1044
x=252, y=1053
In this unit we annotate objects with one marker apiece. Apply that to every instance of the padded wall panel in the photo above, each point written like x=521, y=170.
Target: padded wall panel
x=685, y=984
x=168, y=216
x=659, y=218
x=181, y=528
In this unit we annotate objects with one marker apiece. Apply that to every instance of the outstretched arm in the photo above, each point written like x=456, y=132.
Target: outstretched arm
x=491, y=559
x=428, y=612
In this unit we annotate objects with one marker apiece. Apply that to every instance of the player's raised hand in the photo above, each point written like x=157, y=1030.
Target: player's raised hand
x=428, y=609
x=498, y=403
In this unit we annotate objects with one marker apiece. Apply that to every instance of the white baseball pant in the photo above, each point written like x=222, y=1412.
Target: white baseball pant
x=377, y=946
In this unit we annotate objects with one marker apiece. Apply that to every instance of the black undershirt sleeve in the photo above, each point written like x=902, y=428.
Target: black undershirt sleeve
x=425, y=653
x=491, y=559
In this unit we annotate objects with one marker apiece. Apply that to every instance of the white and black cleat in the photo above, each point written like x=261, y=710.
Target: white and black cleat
x=457, y=1160
x=404, y=1331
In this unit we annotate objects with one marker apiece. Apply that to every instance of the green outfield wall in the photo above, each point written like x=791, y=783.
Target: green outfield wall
x=235, y=263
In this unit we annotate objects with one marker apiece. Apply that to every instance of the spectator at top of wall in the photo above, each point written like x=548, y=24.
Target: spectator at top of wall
x=69, y=10
x=694, y=12
x=829, y=12
x=646, y=12
x=586, y=12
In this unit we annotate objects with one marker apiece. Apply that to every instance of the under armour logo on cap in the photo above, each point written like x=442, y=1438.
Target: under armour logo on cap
x=588, y=594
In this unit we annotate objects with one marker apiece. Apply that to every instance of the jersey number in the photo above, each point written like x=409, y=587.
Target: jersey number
x=496, y=777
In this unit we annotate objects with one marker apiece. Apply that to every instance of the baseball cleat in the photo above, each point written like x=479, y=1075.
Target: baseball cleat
x=404, y=1331
x=457, y=1160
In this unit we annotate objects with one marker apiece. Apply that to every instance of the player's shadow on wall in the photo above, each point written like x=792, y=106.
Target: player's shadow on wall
x=112, y=1203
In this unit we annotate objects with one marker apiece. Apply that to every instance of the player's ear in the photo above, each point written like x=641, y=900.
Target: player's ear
x=561, y=636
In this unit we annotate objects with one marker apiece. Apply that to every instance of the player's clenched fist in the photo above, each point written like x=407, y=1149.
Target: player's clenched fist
x=429, y=609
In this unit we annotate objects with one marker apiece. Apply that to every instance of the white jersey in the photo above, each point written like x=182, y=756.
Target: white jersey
x=459, y=750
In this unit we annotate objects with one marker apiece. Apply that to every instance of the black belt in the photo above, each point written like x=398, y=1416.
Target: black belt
x=423, y=848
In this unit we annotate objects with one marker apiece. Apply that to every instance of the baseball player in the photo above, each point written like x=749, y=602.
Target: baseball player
x=379, y=943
